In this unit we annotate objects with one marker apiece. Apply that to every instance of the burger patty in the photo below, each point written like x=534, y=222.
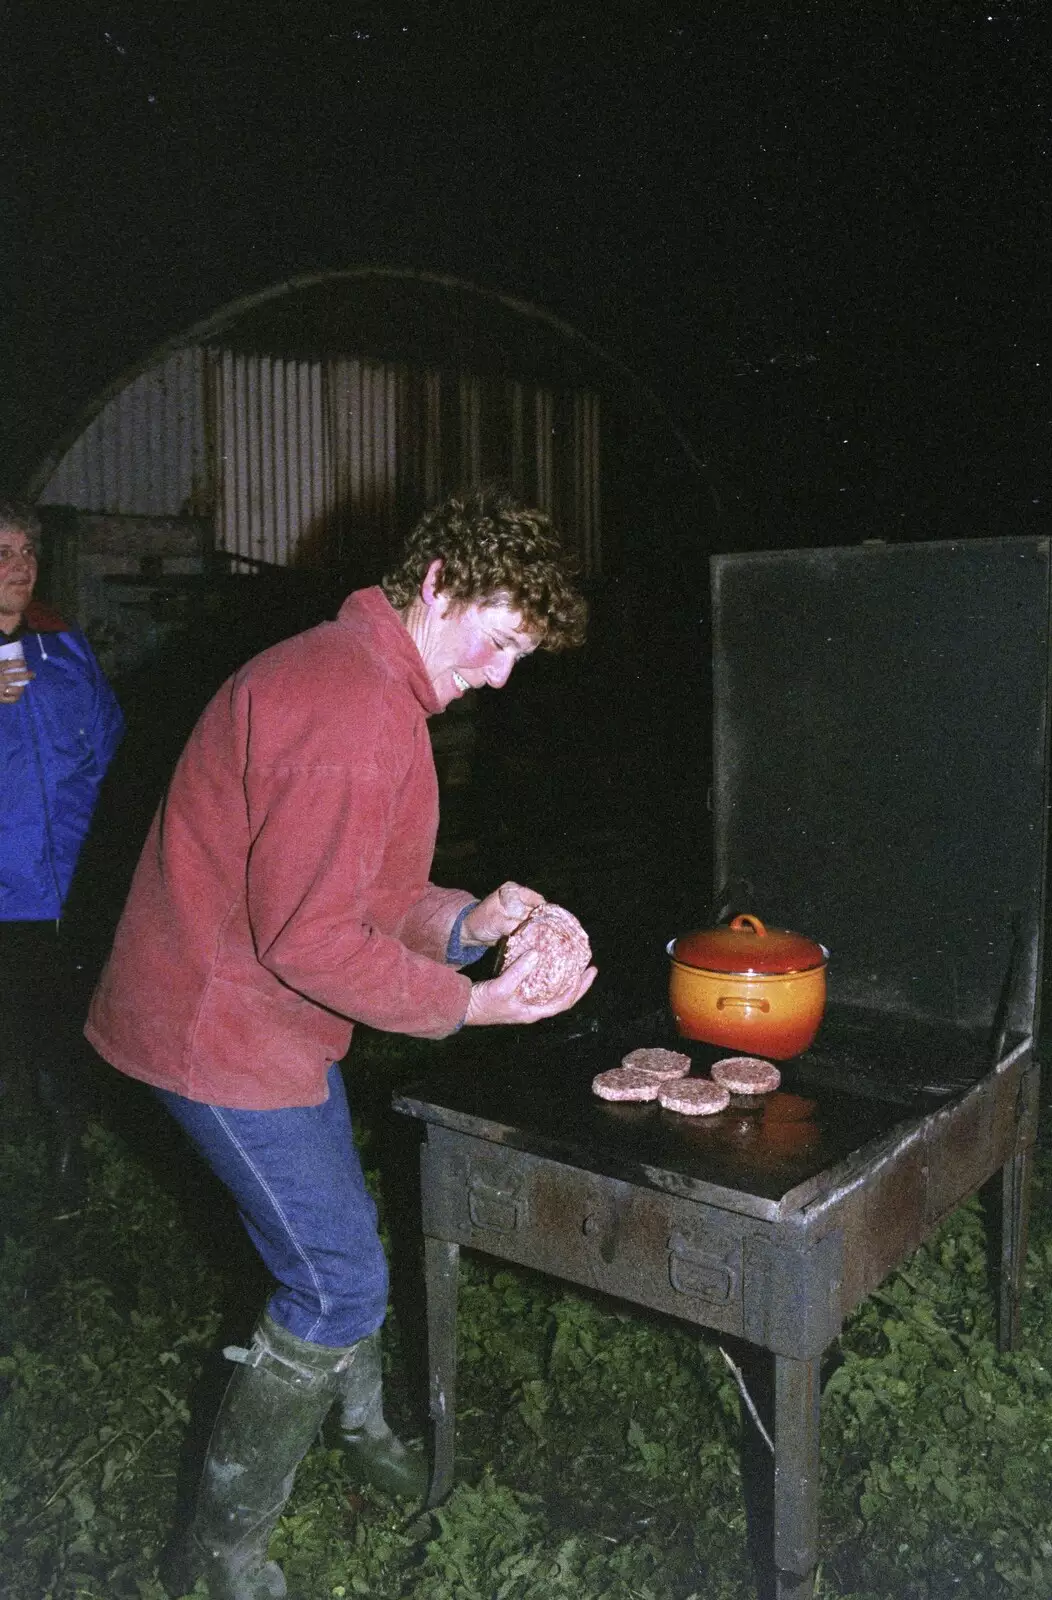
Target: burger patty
x=563, y=951
x=659, y=1063
x=746, y=1074
x=694, y=1097
x=626, y=1083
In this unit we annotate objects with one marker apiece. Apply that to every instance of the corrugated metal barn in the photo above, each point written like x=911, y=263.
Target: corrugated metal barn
x=312, y=459
x=301, y=431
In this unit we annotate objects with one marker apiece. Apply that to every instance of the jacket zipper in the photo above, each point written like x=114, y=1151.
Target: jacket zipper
x=27, y=702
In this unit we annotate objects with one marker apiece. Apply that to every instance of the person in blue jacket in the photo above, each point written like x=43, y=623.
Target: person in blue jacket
x=60, y=726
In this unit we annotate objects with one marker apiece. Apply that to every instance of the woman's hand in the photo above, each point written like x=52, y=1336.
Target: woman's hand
x=500, y=913
x=498, y=1000
x=14, y=676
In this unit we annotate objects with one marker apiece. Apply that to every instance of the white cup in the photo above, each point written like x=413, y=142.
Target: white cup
x=16, y=682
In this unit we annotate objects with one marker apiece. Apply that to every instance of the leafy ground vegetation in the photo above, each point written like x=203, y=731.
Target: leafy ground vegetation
x=598, y=1448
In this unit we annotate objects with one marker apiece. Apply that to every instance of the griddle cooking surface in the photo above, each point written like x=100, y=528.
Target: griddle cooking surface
x=866, y=1075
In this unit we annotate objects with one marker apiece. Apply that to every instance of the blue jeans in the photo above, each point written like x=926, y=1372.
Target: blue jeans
x=300, y=1191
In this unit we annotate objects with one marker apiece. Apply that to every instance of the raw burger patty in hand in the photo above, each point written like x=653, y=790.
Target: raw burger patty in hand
x=563, y=946
x=659, y=1063
x=746, y=1074
x=694, y=1097
x=626, y=1083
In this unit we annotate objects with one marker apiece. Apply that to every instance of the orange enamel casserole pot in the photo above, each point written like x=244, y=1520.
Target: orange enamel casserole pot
x=749, y=988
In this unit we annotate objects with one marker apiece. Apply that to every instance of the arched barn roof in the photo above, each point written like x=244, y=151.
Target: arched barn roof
x=386, y=313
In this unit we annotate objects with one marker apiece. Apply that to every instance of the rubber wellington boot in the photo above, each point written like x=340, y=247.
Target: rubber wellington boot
x=375, y=1454
x=274, y=1406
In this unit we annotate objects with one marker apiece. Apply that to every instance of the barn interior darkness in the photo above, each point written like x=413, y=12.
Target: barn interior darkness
x=815, y=233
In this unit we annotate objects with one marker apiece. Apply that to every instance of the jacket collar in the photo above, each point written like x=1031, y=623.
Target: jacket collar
x=369, y=613
x=41, y=618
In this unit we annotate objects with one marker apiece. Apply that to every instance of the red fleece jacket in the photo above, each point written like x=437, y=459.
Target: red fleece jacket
x=283, y=891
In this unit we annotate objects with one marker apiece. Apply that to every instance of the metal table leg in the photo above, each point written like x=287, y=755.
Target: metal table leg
x=1015, y=1211
x=796, y=1418
x=441, y=1268
x=797, y=1412
x=782, y=1491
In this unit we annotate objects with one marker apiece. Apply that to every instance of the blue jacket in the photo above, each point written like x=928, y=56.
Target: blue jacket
x=56, y=742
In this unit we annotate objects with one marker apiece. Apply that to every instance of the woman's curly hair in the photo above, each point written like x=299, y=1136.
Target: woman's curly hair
x=491, y=545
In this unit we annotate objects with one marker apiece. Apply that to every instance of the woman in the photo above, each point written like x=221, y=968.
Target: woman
x=60, y=727
x=283, y=893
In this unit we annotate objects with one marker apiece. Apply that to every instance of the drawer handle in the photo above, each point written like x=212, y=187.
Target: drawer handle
x=703, y=1280
x=495, y=1211
x=703, y=1274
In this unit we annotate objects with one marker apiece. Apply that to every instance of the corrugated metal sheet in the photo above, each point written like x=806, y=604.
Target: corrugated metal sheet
x=363, y=429
x=586, y=507
x=544, y=435
x=319, y=461
x=145, y=453
x=273, y=479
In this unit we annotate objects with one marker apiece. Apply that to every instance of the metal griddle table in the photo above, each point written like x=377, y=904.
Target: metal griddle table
x=880, y=737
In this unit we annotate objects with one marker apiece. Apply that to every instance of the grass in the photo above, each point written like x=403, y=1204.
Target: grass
x=597, y=1446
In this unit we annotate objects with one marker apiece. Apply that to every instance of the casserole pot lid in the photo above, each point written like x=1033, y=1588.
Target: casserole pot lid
x=745, y=945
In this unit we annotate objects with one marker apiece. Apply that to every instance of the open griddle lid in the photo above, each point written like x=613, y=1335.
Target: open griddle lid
x=880, y=746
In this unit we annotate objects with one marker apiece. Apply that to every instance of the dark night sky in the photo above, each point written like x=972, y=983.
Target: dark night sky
x=822, y=230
